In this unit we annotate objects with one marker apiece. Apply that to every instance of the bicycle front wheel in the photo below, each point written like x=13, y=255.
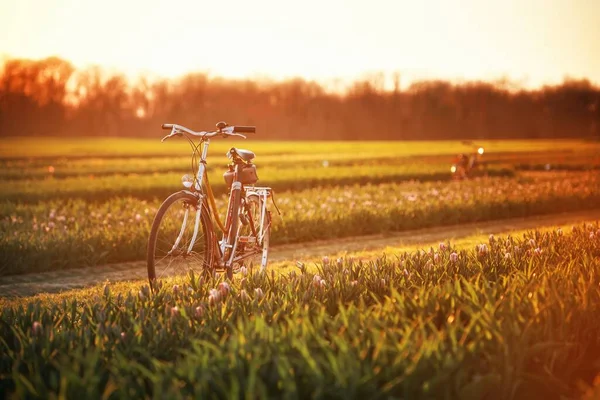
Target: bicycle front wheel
x=181, y=238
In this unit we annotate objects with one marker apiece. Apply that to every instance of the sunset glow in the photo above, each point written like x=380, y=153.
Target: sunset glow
x=531, y=42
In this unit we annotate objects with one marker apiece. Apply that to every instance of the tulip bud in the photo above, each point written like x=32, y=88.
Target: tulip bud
x=36, y=329
x=316, y=280
x=214, y=296
x=224, y=289
x=244, y=295
x=199, y=312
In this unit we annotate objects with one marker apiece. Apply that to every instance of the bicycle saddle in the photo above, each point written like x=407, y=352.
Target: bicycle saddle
x=245, y=155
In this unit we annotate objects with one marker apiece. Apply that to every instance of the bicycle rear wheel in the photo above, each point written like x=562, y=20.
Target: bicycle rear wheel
x=254, y=249
x=181, y=238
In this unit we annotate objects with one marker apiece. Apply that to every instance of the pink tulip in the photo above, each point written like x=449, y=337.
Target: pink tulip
x=199, y=312
x=36, y=328
x=316, y=281
x=224, y=289
x=214, y=296
x=244, y=295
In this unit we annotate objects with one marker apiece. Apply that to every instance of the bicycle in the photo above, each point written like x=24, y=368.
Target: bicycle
x=183, y=235
x=464, y=165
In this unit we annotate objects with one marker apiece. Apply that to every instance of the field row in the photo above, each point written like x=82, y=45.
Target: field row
x=40, y=168
x=154, y=185
x=81, y=148
x=58, y=234
x=511, y=318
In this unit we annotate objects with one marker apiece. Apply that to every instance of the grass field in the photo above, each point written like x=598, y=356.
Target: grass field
x=490, y=322
x=44, y=147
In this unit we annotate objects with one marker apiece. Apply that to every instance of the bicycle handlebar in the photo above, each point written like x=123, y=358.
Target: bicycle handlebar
x=244, y=129
x=225, y=131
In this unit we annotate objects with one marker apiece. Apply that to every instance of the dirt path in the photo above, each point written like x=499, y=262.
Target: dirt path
x=31, y=284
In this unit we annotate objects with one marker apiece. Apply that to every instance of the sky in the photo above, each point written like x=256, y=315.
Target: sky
x=530, y=42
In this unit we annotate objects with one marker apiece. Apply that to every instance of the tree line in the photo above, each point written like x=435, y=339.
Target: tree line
x=50, y=97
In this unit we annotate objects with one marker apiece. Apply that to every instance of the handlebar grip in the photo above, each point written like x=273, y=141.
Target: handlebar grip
x=167, y=126
x=244, y=129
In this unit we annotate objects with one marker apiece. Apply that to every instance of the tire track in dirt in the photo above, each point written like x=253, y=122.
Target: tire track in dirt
x=57, y=281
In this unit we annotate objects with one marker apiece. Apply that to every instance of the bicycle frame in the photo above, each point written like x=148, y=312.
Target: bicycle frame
x=242, y=214
x=222, y=246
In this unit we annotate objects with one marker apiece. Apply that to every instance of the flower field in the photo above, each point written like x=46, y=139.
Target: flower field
x=510, y=318
x=58, y=234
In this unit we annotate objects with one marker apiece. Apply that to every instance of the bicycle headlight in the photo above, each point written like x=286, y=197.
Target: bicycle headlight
x=480, y=150
x=453, y=169
x=187, y=180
